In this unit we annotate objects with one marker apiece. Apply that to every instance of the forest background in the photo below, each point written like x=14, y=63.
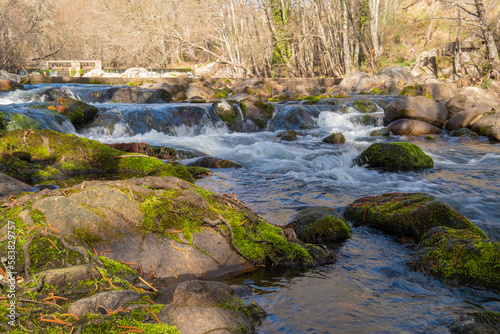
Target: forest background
x=264, y=38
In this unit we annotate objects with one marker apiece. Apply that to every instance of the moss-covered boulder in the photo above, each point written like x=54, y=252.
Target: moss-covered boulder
x=334, y=138
x=395, y=157
x=320, y=225
x=408, y=215
x=416, y=90
x=419, y=108
x=384, y=132
x=160, y=225
x=211, y=162
x=485, y=322
x=461, y=257
x=78, y=112
x=44, y=154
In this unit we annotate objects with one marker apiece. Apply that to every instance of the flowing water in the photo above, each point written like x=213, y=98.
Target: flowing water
x=370, y=289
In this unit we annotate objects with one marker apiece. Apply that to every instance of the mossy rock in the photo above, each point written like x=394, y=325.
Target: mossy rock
x=290, y=135
x=395, y=157
x=408, y=215
x=385, y=132
x=13, y=121
x=334, y=138
x=211, y=162
x=485, y=322
x=320, y=225
x=416, y=90
x=78, y=112
x=55, y=155
x=365, y=106
x=460, y=257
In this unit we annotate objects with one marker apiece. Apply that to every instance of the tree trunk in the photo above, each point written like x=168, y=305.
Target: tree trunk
x=488, y=38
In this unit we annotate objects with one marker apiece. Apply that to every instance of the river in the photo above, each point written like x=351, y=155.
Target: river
x=370, y=289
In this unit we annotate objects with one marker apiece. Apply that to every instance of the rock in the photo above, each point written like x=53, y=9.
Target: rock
x=210, y=162
x=198, y=90
x=419, y=108
x=230, y=115
x=462, y=119
x=486, y=322
x=293, y=117
x=138, y=95
x=139, y=221
x=425, y=64
x=457, y=104
x=382, y=132
x=290, y=135
x=209, y=307
x=10, y=186
x=411, y=127
x=464, y=132
x=400, y=73
x=59, y=155
x=320, y=225
x=9, y=85
x=408, y=215
x=111, y=300
x=160, y=152
x=63, y=277
x=357, y=82
x=365, y=106
x=334, y=138
x=78, y=112
x=4, y=75
x=488, y=125
x=416, y=90
x=395, y=157
x=445, y=66
x=465, y=257
x=442, y=91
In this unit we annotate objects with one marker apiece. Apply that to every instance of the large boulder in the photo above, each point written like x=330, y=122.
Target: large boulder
x=488, y=125
x=320, y=225
x=395, y=157
x=408, y=215
x=11, y=186
x=200, y=91
x=411, y=127
x=459, y=256
x=34, y=155
x=419, y=108
x=78, y=112
x=160, y=225
x=462, y=119
x=210, y=307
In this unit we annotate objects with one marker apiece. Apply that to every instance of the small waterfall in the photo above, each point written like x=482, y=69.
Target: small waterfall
x=24, y=117
x=116, y=120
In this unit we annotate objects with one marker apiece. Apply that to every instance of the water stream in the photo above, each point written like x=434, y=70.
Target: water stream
x=370, y=289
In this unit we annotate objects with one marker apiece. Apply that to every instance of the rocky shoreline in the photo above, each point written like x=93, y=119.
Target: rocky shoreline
x=138, y=254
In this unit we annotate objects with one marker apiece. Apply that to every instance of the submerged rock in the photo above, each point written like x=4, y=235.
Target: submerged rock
x=395, y=157
x=33, y=155
x=206, y=307
x=320, y=225
x=459, y=256
x=293, y=118
x=408, y=215
x=384, y=132
x=485, y=322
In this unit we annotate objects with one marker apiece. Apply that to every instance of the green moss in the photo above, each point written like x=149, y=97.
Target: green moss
x=460, y=257
x=267, y=109
x=261, y=124
x=55, y=154
x=485, y=131
x=395, y=157
x=86, y=236
x=115, y=268
x=44, y=252
x=222, y=93
x=229, y=119
x=290, y=135
x=198, y=171
x=365, y=106
x=310, y=100
x=329, y=229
